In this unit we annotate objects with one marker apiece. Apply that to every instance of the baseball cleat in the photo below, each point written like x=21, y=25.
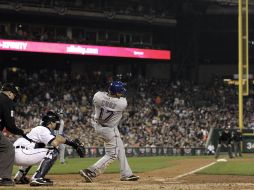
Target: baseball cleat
x=130, y=178
x=6, y=182
x=22, y=180
x=41, y=182
x=88, y=175
x=48, y=180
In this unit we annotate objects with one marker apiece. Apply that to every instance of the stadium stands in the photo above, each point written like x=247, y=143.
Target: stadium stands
x=160, y=113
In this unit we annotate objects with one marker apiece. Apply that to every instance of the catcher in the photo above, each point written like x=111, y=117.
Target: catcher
x=42, y=149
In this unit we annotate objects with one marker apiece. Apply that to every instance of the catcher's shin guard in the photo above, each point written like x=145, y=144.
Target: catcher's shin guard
x=46, y=164
x=20, y=177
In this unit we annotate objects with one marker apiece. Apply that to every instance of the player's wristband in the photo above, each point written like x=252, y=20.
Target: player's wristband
x=70, y=143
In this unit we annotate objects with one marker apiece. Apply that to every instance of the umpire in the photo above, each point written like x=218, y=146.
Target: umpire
x=237, y=139
x=225, y=139
x=9, y=93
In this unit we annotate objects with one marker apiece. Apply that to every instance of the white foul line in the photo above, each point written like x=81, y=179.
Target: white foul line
x=194, y=171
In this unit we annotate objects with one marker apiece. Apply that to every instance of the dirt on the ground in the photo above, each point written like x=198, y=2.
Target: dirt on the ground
x=174, y=178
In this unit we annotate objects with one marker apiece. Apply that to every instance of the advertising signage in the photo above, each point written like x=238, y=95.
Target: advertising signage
x=84, y=50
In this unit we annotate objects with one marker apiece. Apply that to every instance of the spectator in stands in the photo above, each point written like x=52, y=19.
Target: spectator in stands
x=210, y=149
x=182, y=117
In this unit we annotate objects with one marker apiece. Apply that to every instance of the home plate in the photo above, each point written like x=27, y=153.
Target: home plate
x=222, y=160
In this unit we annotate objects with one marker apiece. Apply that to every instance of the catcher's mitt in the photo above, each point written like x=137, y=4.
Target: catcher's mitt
x=79, y=147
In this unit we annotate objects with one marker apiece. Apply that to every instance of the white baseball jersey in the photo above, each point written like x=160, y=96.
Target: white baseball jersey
x=25, y=152
x=108, y=110
x=39, y=134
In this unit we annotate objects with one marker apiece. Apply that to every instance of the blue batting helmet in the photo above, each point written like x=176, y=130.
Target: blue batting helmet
x=117, y=87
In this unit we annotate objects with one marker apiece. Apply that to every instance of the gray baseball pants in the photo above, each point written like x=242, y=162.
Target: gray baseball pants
x=114, y=149
x=7, y=155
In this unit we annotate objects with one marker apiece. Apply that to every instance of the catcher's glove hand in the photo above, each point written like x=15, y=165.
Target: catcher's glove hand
x=79, y=147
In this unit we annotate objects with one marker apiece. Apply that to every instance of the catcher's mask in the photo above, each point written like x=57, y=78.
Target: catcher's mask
x=51, y=117
x=12, y=88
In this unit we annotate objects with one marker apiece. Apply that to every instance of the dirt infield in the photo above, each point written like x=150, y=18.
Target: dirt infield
x=169, y=178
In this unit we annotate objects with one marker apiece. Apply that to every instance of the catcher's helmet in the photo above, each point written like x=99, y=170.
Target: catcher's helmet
x=12, y=88
x=117, y=87
x=51, y=117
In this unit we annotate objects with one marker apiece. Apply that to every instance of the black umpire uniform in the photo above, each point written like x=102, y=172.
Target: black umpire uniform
x=8, y=94
x=237, y=139
x=225, y=139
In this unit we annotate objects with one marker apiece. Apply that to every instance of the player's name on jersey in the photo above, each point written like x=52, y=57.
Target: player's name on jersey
x=108, y=104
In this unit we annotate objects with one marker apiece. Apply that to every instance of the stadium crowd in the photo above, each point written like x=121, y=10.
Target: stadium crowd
x=160, y=112
x=158, y=8
x=56, y=32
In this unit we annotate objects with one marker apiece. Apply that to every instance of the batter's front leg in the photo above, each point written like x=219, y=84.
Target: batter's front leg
x=111, y=152
x=100, y=166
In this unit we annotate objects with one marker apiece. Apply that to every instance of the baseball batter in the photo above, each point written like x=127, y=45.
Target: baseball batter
x=109, y=107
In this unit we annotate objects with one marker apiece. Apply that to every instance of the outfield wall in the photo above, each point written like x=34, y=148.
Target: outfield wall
x=142, y=151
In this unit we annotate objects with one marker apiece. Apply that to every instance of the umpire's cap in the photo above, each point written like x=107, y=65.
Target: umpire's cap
x=12, y=88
